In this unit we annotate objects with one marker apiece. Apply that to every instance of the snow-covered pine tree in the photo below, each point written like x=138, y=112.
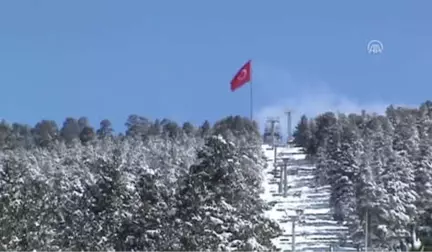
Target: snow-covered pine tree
x=345, y=173
x=423, y=169
x=216, y=209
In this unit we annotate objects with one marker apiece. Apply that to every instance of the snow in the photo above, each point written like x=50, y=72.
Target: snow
x=316, y=230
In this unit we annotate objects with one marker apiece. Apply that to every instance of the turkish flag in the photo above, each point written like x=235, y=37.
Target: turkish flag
x=242, y=77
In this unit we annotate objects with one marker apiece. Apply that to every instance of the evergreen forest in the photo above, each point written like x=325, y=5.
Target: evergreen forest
x=377, y=165
x=158, y=186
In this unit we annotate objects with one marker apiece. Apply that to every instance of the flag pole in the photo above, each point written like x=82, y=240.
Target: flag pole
x=251, y=93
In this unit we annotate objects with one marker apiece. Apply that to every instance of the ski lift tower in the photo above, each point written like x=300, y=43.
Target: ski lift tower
x=272, y=133
x=288, y=112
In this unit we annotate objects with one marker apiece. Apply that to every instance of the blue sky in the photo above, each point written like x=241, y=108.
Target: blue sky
x=175, y=59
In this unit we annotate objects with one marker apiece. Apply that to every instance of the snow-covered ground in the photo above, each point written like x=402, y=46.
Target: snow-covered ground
x=316, y=230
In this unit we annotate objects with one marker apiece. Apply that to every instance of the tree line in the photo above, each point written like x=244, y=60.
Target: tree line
x=376, y=164
x=158, y=186
x=47, y=132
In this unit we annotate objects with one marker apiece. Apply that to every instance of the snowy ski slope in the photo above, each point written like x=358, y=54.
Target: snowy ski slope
x=316, y=230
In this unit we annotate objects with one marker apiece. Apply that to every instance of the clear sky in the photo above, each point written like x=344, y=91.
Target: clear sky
x=175, y=59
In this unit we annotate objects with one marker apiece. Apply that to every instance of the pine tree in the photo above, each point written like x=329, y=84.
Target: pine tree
x=218, y=212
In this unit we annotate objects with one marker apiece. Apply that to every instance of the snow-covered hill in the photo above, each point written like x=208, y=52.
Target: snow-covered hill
x=316, y=230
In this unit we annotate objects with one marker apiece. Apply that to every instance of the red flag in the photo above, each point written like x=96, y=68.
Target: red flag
x=242, y=77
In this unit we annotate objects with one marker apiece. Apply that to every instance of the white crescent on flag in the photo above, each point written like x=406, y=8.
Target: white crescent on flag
x=243, y=74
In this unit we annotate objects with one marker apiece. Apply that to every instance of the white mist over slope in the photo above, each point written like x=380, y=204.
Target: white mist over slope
x=314, y=102
x=310, y=99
